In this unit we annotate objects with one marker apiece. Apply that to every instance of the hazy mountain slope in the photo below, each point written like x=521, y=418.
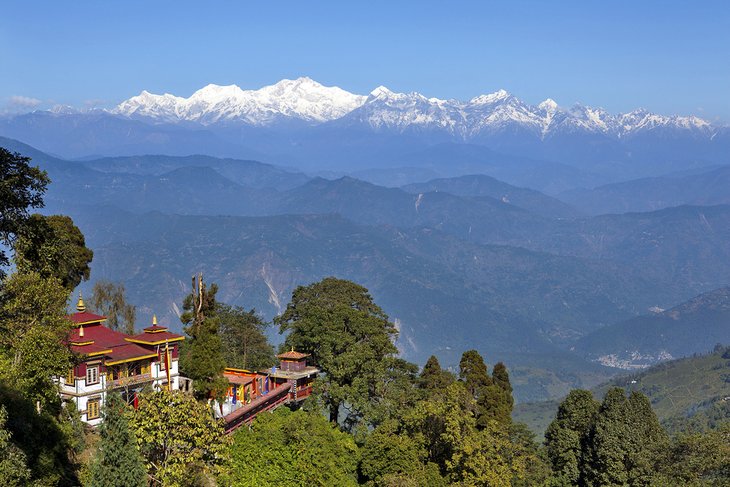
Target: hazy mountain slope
x=250, y=174
x=677, y=389
x=482, y=185
x=648, y=194
x=691, y=327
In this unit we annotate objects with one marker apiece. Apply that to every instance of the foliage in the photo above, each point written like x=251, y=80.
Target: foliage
x=13, y=468
x=21, y=187
x=46, y=439
x=201, y=357
x=118, y=461
x=348, y=336
x=698, y=459
x=293, y=448
x=179, y=439
x=33, y=329
x=53, y=246
x=107, y=299
x=567, y=436
x=473, y=372
x=244, y=342
x=390, y=457
x=433, y=378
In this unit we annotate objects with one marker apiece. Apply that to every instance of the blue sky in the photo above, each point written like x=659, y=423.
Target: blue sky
x=669, y=57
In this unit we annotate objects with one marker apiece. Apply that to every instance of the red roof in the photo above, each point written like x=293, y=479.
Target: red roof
x=128, y=351
x=292, y=355
x=85, y=317
x=90, y=349
x=155, y=338
x=155, y=329
x=238, y=380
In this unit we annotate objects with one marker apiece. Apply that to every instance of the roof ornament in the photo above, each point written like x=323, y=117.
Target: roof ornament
x=80, y=306
x=154, y=320
x=81, y=331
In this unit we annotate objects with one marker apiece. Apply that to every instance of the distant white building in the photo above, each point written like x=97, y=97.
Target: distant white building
x=111, y=360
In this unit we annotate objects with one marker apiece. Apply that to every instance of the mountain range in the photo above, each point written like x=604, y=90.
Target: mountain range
x=306, y=126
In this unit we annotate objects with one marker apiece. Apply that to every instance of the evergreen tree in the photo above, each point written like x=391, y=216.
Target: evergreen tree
x=473, y=372
x=21, y=187
x=495, y=401
x=201, y=358
x=433, y=378
x=243, y=338
x=118, y=461
x=566, y=438
x=622, y=441
x=53, y=246
x=348, y=336
x=107, y=298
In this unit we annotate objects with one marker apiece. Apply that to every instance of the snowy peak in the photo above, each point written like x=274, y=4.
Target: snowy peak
x=307, y=101
x=303, y=99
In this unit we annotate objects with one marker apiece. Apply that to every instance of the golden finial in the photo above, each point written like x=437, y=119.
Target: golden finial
x=154, y=320
x=80, y=306
x=81, y=331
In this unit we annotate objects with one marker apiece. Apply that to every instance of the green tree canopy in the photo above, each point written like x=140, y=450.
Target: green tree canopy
x=33, y=332
x=179, y=440
x=567, y=436
x=473, y=372
x=293, y=448
x=433, y=378
x=201, y=357
x=108, y=299
x=53, y=247
x=118, y=460
x=13, y=468
x=243, y=338
x=347, y=335
x=21, y=187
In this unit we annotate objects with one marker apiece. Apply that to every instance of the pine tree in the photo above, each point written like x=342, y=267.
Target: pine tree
x=567, y=436
x=473, y=372
x=624, y=440
x=118, y=461
x=201, y=358
x=433, y=378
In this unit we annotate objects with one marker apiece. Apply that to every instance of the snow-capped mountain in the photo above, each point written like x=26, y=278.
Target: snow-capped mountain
x=306, y=100
x=302, y=99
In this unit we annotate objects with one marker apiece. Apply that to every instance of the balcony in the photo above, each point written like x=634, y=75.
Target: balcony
x=130, y=381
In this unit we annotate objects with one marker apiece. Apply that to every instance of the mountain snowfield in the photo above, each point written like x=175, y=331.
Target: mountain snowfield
x=306, y=100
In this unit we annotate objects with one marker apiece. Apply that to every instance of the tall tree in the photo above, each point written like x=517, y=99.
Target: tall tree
x=433, y=378
x=21, y=187
x=567, y=437
x=473, y=372
x=347, y=335
x=33, y=331
x=179, y=440
x=495, y=401
x=201, y=358
x=622, y=440
x=243, y=338
x=118, y=460
x=108, y=299
x=53, y=247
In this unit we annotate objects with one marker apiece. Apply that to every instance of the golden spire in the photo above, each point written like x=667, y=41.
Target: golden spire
x=154, y=320
x=81, y=331
x=80, y=306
